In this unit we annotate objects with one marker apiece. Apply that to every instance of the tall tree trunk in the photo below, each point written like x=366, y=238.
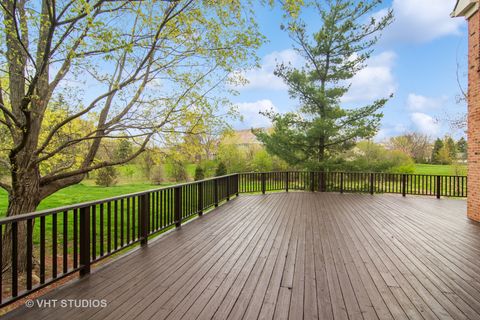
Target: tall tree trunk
x=23, y=198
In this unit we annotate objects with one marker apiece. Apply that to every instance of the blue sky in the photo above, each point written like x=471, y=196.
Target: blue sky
x=416, y=60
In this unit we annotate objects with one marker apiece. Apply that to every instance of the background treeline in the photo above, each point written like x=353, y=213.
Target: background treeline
x=239, y=151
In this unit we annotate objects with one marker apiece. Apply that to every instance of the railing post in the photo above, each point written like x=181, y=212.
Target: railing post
x=286, y=180
x=177, y=198
x=144, y=213
x=404, y=185
x=264, y=187
x=237, y=184
x=321, y=182
x=341, y=182
x=200, y=199
x=312, y=181
x=372, y=186
x=228, y=188
x=85, y=241
x=439, y=187
x=215, y=192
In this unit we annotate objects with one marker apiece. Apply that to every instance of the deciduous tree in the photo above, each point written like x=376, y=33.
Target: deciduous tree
x=132, y=69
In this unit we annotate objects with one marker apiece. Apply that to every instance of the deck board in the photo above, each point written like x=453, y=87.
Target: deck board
x=295, y=255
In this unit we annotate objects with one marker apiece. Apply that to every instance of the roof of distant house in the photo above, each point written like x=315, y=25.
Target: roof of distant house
x=243, y=137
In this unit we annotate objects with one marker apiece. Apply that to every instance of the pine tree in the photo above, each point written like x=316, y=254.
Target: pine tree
x=451, y=148
x=437, y=146
x=199, y=174
x=462, y=147
x=322, y=128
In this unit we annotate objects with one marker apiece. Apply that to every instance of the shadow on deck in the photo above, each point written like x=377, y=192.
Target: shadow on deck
x=293, y=255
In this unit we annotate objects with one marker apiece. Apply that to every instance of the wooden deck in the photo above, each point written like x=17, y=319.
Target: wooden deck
x=295, y=255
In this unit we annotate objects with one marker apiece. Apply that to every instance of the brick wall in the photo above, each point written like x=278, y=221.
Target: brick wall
x=474, y=117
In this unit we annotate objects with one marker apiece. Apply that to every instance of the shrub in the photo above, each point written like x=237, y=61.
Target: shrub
x=106, y=177
x=157, y=174
x=371, y=157
x=179, y=172
x=199, y=174
x=221, y=170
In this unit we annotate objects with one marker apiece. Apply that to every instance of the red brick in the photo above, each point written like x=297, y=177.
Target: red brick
x=473, y=202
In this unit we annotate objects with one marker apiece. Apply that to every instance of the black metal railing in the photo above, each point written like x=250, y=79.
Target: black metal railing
x=40, y=248
x=405, y=184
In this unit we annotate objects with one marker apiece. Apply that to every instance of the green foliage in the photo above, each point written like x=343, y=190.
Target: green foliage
x=124, y=149
x=370, y=157
x=199, y=174
x=146, y=161
x=451, y=148
x=106, y=177
x=221, y=170
x=208, y=167
x=444, y=151
x=462, y=145
x=262, y=161
x=178, y=171
x=233, y=157
x=157, y=175
x=437, y=146
x=321, y=129
x=462, y=148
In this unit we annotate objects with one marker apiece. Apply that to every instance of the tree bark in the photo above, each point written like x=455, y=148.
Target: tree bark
x=23, y=198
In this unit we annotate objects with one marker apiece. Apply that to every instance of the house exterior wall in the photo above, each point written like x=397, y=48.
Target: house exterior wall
x=473, y=206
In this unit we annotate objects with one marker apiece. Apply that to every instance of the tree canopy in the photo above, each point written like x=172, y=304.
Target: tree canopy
x=75, y=75
x=322, y=128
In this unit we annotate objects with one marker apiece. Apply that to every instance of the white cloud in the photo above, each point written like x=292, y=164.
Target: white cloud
x=389, y=131
x=416, y=102
x=263, y=77
x=251, y=113
x=425, y=123
x=375, y=81
x=419, y=21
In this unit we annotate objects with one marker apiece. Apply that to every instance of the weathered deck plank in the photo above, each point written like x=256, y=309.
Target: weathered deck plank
x=294, y=256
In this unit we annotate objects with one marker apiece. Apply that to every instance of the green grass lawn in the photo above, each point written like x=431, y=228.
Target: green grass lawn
x=85, y=191
x=436, y=169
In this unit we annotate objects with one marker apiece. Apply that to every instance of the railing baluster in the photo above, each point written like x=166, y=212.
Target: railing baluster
x=178, y=205
x=439, y=186
x=128, y=220
x=85, y=241
x=75, y=238
x=102, y=240
x=29, y=253
x=228, y=188
x=115, y=226
x=14, y=259
x=341, y=182
x=109, y=227
x=200, y=198
x=94, y=232
x=122, y=225
x=54, y=245
x=144, y=213
x=65, y=242
x=215, y=192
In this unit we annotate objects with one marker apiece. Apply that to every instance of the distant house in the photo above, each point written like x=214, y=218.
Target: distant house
x=470, y=10
x=243, y=138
